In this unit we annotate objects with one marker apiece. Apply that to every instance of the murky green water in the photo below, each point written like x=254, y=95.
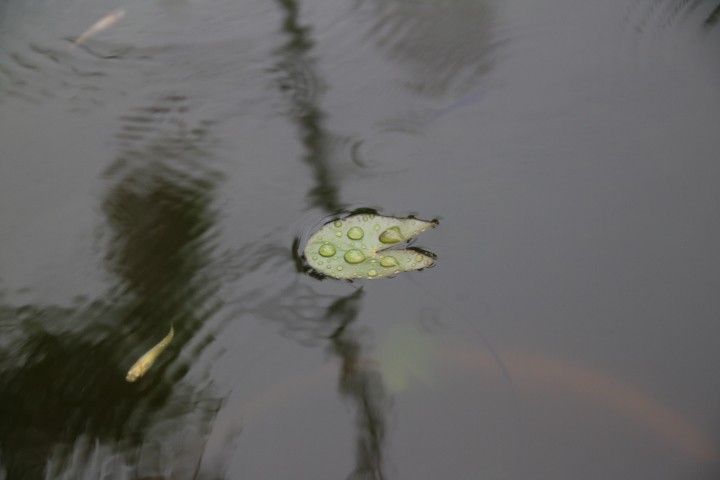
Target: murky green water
x=167, y=171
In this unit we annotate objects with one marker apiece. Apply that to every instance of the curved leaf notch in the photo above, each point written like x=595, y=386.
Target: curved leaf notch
x=360, y=246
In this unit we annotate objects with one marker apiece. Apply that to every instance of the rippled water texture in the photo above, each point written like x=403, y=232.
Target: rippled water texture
x=167, y=168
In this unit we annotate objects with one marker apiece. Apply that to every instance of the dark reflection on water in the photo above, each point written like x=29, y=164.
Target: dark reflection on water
x=161, y=215
x=579, y=199
x=713, y=17
x=63, y=392
x=662, y=14
x=314, y=318
x=299, y=81
x=360, y=383
x=446, y=45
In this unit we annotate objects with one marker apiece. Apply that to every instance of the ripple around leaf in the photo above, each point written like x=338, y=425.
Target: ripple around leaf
x=359, y=246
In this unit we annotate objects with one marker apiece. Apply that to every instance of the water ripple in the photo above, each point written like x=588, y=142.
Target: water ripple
x=446, y=45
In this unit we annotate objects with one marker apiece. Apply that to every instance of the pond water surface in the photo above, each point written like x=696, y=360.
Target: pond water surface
x=167, y=170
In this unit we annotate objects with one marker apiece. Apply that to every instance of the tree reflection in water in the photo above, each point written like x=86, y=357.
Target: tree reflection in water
x=446, y=45
x=63, y=394
x=299, y=81
x=361, y=384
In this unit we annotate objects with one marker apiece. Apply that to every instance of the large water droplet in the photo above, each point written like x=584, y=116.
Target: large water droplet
x=388, y=261
x=327, y=250
x=391, y=235
x=354, y=256
x=355, y=233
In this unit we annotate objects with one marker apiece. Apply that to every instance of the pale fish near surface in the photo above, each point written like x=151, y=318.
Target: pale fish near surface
x=103, y=24
x=144, y=363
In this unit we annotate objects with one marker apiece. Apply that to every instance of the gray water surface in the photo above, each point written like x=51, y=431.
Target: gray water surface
x=167, y=171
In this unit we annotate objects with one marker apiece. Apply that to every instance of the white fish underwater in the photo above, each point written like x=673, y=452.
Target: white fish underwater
x=103, y=24
x=144, y=363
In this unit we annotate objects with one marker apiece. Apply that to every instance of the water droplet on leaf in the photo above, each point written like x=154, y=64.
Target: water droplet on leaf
x=327, y=250
x=391, y=235
x=361, y=242
x=354, y=256
x=388, y=261
x=355, y=233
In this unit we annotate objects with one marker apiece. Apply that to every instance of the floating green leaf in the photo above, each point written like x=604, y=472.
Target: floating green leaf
x=359, y=246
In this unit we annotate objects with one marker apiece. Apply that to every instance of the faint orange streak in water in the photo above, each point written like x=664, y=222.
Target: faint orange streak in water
x=531, y=372
x=540, y=372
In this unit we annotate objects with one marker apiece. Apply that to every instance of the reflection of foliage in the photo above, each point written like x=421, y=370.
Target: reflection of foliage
x=311, y=318
x=446, y=43
x=714, y=17
x=301, y=85
x=161, y=216
x=70, y=383
x=57, y=387
x=297, y=79
x=161, y=219
x=668, y=12
x=363, y=386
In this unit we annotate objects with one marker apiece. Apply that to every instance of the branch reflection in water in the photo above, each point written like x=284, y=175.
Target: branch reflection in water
x=300, y=82
x=363, y=385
